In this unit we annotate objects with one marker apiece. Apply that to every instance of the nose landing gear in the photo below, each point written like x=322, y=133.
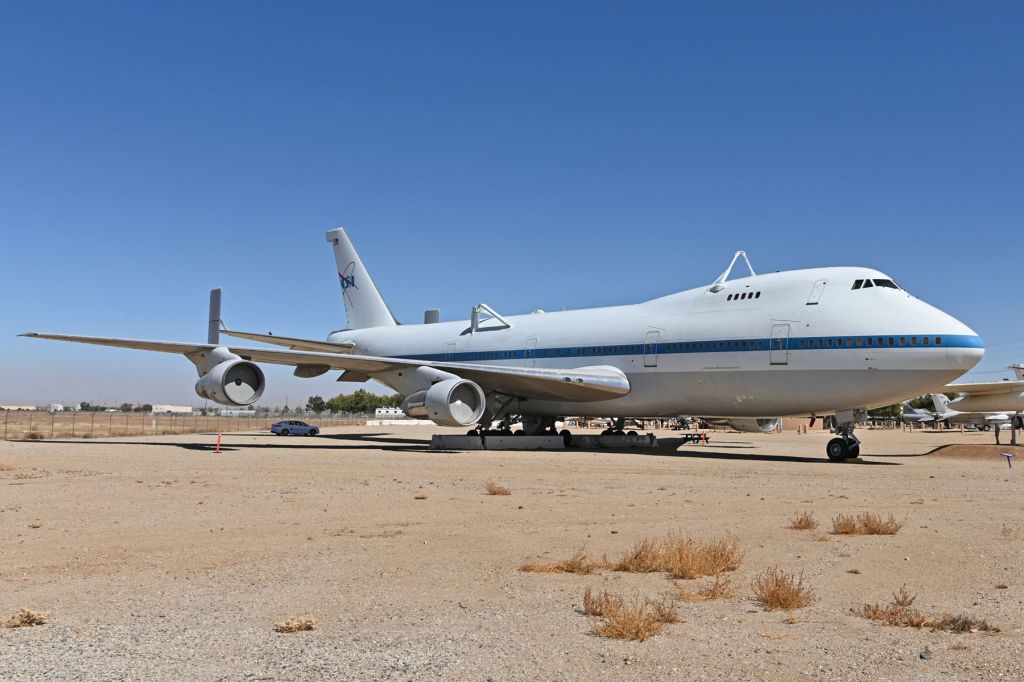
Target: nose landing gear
x=847, y=445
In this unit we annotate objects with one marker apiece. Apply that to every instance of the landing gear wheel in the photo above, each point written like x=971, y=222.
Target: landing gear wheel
x=838, y=450
x=854, y=450
x=566, y=437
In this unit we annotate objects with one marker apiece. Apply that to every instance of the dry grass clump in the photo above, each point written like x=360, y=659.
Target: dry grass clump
x=25, y=618
x=295, y=625
x=6, y=466
x=865, y=524
x=803, y=521
x=635, y=621
x=597, y=604
x=34, y=435
x=579, y=563
x=493, y=488
x=777, y=590
x=683, y=557
x=720, y=589
x=899, y=613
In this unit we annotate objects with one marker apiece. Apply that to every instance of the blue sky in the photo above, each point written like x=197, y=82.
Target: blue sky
x=529, y=155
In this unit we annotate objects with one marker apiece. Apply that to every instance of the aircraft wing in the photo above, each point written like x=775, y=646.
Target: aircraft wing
x=584, y=384
x=986, y=388
x=292, y=343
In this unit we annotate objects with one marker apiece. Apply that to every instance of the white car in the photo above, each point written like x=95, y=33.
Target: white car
x=293, y=427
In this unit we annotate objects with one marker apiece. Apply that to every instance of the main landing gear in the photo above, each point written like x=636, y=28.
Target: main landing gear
x=847, y=445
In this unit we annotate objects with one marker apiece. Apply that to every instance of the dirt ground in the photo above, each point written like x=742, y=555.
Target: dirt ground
x=156, y=558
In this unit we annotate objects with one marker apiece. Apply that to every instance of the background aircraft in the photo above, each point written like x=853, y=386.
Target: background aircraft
x=985, y=402
x=794, y=343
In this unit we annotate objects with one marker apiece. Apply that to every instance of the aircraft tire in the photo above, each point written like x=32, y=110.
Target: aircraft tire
x=838, y=450
x=854, y=450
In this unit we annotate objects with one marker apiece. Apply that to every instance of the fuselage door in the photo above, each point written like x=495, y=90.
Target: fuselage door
x=530, y=356
x=651, y=348
x=816, y=291
x=779, y=351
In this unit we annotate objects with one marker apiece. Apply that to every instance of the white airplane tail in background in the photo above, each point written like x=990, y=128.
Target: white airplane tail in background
x=1018, y=369
x=363, y=303
x=941, y=402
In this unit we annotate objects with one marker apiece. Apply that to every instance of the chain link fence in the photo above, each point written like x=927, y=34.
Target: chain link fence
x=38, y=425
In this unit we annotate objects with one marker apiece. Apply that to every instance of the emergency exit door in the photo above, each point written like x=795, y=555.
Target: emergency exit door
x=779, y=351
x=651, y=348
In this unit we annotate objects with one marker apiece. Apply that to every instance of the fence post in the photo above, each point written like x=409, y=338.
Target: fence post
x=92, y=425
x=53, y=415
x=73, y=416
x=7, y=415
x=30, y=421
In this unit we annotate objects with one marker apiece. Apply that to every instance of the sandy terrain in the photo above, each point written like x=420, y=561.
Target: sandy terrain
x=157, y=559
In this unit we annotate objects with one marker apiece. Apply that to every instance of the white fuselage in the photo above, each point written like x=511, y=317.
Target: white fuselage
x=790, y=343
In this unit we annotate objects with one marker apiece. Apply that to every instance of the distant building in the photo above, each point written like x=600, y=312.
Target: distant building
x=172, y=409
x=236, y=413
x=18, y=408
x=55, y=407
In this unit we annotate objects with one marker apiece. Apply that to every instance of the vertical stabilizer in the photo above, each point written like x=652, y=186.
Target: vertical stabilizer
x=1018, y=369
x=941, y=402
x=363, y=303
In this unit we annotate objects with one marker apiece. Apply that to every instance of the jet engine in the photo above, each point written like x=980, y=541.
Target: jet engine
x=754, y=425
x=232, y=382
x=452, y=402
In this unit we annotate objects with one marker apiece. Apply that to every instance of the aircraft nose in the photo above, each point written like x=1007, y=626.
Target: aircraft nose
x=964, y=348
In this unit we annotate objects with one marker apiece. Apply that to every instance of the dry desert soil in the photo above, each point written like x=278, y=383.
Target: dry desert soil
x=155, y=558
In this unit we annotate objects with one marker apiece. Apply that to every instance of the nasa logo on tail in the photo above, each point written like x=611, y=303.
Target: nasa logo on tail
x=348, y=280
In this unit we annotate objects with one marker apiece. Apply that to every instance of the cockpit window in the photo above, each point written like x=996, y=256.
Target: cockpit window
x=857, y=283
x=888, y=283
x=867, y=283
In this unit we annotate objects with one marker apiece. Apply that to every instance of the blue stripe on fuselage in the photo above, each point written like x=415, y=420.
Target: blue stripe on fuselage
x=891, y=341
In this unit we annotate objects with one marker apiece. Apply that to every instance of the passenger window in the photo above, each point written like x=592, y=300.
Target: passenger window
x=938, y=340
x=925, y=340
x=757, y=295
x=892, y=341
x=913, y=340
x=860, y=342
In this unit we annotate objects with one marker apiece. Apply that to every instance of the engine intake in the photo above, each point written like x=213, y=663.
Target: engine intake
x=232, y=382
x=754, y=425
x=452, y=402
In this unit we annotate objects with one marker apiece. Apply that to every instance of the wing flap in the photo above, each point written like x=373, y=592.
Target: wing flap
x=292, y=343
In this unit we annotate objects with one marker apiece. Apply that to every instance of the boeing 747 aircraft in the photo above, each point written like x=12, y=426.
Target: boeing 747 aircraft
x=824, y=341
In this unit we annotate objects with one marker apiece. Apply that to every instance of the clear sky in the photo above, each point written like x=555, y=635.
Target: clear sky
x=528, y=155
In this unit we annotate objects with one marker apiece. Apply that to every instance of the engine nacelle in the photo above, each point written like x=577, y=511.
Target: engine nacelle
x=452, y=402
x=232, y=382
x=754, y=425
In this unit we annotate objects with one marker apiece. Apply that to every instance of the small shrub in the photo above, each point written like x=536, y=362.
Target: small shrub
x=597, y=604
x=579, y=563
x=872, y=524
x=720, y=589
x=865, y=524
x=688, y=559
x=493, y=488
x=777, y=590
x=845, y=524
x=646, y=556
x=899, y=613
x=34, y=435
x=25, y=618
x=295, y=625
x=636, y=621
x=803, y=521
x=6, y=466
